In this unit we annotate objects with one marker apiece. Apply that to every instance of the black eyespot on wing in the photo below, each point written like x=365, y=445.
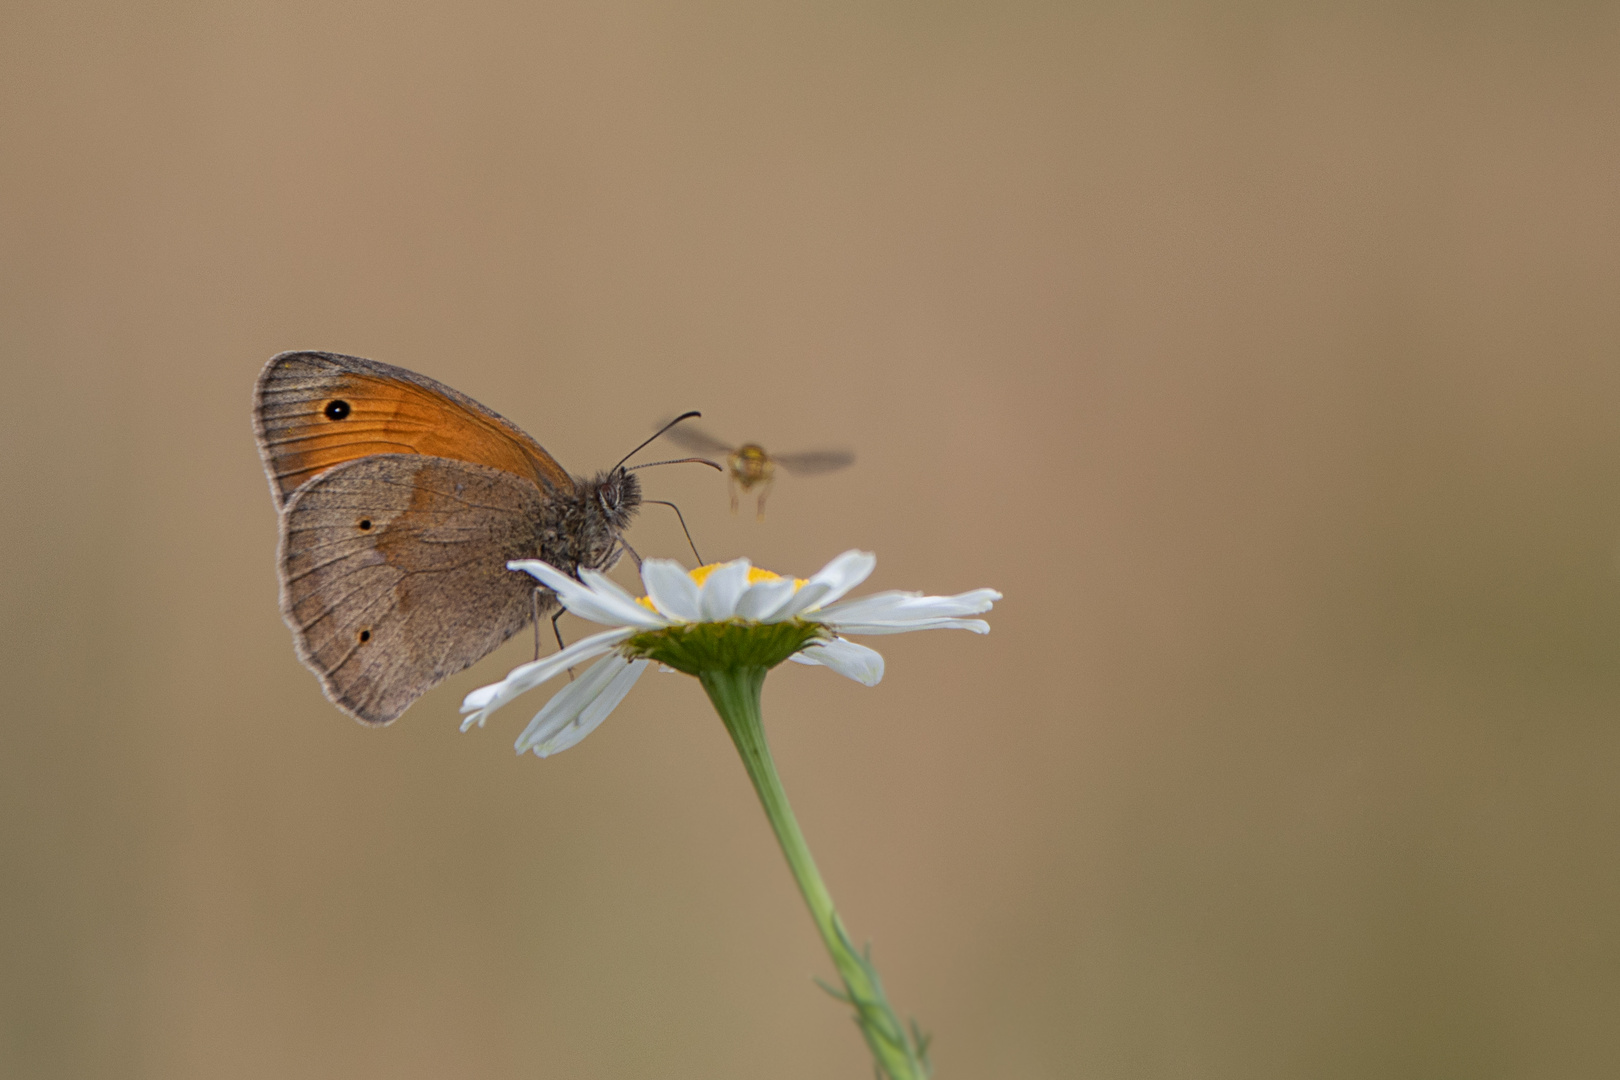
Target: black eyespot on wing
x=365, y=636
x=336, y=410
x=365, y=523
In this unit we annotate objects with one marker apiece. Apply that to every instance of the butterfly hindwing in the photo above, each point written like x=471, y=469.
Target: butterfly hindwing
x=393, y=574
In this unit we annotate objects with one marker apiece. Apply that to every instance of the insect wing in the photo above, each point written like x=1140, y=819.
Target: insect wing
x=811, y=462
x=696, y=438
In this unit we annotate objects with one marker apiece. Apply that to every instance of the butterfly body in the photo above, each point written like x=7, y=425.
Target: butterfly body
x=401, y=501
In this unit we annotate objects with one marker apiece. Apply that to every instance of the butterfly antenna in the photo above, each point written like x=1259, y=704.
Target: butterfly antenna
x=678, y=461
x=682, y=519
x=684, y=416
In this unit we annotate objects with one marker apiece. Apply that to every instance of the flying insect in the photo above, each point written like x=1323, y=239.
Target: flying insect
x=750, y=465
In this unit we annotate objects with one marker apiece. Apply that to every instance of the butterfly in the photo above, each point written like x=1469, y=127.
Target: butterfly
x=400, y=502
x=749, y=465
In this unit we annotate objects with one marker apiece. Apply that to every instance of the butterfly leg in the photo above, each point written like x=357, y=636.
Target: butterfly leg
x=534, y=609
x=534, y=602
x=759, y=510
x=557, y=632
x=734, y=494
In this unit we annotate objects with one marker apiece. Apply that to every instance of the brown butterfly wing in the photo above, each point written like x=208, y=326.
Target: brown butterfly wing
x=315, y=410
x=393, y=574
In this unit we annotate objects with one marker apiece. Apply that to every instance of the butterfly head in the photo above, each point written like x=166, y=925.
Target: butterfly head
x=617, y=496
x=607, y=504
x=604, y=505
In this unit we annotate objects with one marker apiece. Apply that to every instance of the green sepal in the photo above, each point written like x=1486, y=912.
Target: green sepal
x=698, y=647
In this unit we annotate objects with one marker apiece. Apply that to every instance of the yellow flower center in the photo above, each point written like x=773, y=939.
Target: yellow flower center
x=755, y=576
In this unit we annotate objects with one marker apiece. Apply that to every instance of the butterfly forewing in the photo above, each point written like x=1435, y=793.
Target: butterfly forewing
x=393, y=572
x=314, y=410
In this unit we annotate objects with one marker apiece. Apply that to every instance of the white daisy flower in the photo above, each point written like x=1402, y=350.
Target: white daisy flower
x=717, y=616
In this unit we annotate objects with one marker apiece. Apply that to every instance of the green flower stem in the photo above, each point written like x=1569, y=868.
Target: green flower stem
x=898, y=1053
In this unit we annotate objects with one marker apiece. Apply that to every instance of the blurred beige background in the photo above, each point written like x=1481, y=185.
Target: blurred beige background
x=1268, y=359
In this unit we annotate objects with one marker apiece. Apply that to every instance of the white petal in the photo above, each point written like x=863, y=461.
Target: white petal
x=721, y=590
x=671, y=589
x=978, y=626
x=486, y=699
x=567, y=704
x=548, y=575
x=845, y=572
x=809, y=595
x=881, y=605
x=605, y=587
x=847, y=658
x=619, y=603
x=596, y=711
x=895, y=606
x=829, y=583
x=599, y=600
x=764, y=598
x=590, y=606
